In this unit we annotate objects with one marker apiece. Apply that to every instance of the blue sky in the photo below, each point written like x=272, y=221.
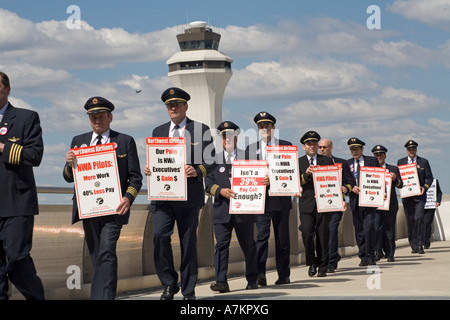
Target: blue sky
x=313, y=64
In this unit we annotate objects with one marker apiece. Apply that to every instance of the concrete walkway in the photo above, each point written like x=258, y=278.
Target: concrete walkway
x=411, y=276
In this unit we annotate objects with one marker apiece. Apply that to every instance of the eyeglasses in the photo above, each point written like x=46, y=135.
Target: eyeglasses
x=323, y=147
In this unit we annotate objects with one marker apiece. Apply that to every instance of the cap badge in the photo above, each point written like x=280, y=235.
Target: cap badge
x=172, y=91
x=262, y=114
x=95, y=101
x=225, y=124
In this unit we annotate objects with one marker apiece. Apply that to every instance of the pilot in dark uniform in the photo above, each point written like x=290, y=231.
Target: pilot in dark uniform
x=21, y=149
x=277, y=209
x=313, y=225
x=200, y=156
x=218, y=184
x=385, y=220
x=348, y=182
x=415, y=206
x=103, y=232
x=363, y=217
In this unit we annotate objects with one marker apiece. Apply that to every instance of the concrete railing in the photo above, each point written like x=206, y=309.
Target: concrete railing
x=61, y=256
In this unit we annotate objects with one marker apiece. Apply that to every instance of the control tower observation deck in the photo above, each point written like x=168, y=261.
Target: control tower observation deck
x=202, y=71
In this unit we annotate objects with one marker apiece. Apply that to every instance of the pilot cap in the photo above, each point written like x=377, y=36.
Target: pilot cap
x=355, y=142
x=98, y=104
x=411, y=144
x=379, y=149
x=175, y=95
x=310, y=136
x=228, y=127
x=264, y=117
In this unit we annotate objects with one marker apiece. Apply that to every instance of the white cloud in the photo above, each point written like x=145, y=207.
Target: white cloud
x=403, y=54
x=300, y=79
x=19, y=103
x=435, y=13
x=261, y=40
x=18, y=33
x=25, y=77
x=52, y=44
x=389, y=104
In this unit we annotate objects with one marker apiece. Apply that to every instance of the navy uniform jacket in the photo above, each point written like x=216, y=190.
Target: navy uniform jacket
x=199, y=153
x=398, y=183
x=273, y=203
x=307, y=202
x=216, y=181
x=127, y=164
x=348, y=179
x=23, y=150
x=368, y=162
x=423, y=171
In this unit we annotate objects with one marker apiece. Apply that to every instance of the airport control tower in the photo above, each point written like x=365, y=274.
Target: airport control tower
x=202, y=71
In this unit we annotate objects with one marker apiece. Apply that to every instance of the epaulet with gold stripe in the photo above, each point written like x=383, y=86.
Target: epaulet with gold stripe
x=15, y=153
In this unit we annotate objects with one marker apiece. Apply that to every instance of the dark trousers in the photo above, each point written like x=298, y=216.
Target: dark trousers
x=385, y=222
x=102, y=234
x=428, y=220
x=315, y=235
x=415, y=210
x=364, y=224
x=280, y=220
x=16, y=264
x=164, y=218
x=245, y=236
x=333, y=228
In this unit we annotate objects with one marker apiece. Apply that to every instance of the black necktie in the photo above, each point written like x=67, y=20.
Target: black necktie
x=228, y=163
x=99, y=139
x=357, y=172
x=312, y=161
x=176, y=134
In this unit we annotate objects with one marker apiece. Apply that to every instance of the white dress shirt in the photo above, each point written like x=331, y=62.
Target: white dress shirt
x=105, y=138
x=2, y=111
x=181, y=129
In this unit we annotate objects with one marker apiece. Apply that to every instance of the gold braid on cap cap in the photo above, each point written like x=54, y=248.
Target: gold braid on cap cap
x=175, y=99
x=268, y=120
x=227, y=130
x=98, y=108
